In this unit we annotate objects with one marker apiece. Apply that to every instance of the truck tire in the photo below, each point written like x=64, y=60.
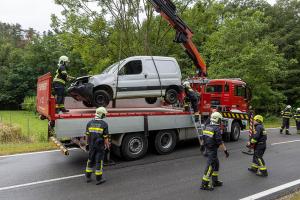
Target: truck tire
x=151, y=100
x=101, y=98
x=134, y=146
x=235, y=131
x=171, y=96
x=165, y=141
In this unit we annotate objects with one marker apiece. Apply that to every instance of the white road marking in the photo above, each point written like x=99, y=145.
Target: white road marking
x=40, y=182
x=285, y=142
x=272, y=190
x=33, y=153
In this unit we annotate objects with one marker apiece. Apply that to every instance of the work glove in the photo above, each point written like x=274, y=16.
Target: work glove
x=226, y=153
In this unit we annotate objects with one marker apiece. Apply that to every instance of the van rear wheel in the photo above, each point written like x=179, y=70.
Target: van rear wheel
x=171, y=96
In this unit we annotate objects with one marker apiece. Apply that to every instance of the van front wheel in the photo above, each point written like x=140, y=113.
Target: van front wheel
x=101, y=98
x=171, y=96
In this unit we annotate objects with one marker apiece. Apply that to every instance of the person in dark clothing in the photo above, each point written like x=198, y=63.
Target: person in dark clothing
x=297, y=119
x=98, y=141
x=258, y=142
x=286, y=115
x=193, y=98
x=213, y=140
x=59, y=83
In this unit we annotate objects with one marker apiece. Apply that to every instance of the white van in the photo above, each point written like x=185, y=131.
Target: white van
x=134, y=77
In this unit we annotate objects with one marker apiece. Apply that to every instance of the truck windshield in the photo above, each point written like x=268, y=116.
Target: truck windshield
x=214, y=88
x=113, y=67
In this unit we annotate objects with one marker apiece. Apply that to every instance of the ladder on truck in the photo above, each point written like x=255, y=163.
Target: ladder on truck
x=198, y=129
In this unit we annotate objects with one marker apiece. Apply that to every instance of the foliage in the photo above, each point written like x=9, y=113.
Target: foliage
x=29, y=104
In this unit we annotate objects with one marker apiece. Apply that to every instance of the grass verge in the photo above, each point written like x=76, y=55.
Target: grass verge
x=14, y=148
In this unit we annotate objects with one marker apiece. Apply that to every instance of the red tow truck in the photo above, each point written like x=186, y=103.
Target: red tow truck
x=135, y=125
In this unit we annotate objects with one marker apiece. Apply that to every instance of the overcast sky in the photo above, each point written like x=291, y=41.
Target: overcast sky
x=32, y=13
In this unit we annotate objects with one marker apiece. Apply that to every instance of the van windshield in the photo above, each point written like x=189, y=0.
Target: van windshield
x=112, y=68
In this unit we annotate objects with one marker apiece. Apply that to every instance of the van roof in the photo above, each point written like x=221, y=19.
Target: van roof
x=150, y=57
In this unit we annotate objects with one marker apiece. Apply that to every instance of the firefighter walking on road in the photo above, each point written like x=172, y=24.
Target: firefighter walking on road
x=59, y=83
x=212, y=140
x=193, y=98
x=258, y=143
x=98, y=141
x=297, y=119
x=286, y=115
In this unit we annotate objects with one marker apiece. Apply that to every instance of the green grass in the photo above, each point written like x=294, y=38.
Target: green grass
x=32, y=128
x=275, y=122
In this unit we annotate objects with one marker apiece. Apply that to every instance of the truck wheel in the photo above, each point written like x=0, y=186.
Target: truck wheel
x=134, y=146
x=101, y=98
x=86, y=104
x=171, y=96
x=235, y=131
x=165, y=141
x=151, y=100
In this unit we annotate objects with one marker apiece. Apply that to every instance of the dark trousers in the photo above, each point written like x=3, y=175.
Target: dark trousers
x=59, y=90
x=212, y=166
x=285, y=123
x=96, y=157
x=258, y=162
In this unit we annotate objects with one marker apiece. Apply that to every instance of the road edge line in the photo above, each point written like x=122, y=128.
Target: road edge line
x=33, y=153
x=274, y=190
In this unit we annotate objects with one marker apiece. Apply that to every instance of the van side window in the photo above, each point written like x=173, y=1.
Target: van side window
x=239, y=91
x=131, y=68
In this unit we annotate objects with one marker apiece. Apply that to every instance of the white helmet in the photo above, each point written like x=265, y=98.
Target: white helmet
x=101, y=112
x=63, y=59
x=288, y=107
x=298, y=110
x=186, y=84
x=216, y=117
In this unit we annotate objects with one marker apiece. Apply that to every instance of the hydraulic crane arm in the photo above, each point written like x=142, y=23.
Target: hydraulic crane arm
x=183, y=33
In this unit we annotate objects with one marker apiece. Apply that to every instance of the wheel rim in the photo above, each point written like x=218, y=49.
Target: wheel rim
x=235, y=132
x=100, y=99
x=166, y=140
x=172, y=97
x=136, y=145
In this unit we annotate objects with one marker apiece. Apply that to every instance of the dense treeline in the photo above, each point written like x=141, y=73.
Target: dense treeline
x=249, y=39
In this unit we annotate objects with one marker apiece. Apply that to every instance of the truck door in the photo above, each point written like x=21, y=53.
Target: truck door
x=240, y=96
x=131, y=80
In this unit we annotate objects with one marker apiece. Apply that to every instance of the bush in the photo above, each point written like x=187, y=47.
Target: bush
x=29, y=104
x=11, y=133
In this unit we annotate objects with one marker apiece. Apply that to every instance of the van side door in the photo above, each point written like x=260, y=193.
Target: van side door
x=131, y=80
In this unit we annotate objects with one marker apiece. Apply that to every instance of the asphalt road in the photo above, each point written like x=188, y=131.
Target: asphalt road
x=174, y=176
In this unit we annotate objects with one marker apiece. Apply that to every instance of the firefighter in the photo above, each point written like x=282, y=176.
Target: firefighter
x=98, y=141
x=258, y=143
x=212, y=140
x=193, y=98
x=286, y=115
x=297, y=119
x=59, y=83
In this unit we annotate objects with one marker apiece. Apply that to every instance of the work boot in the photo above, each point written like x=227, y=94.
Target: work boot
x=99, y=180
x=205, y=186
x=216, y=182
x=287, y=132
x=262, y=173
x=281, y=131
x=252, y=169
x=88, y=177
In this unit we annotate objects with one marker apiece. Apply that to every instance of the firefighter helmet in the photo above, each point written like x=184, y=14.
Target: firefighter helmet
x=63, y=60
x=101, y=112
x=298, y=109
x=186, y=84
x=259, y=118
x=288, y=107
x=216, y=117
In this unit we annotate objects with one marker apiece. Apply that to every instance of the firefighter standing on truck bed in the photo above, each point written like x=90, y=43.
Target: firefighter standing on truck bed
x=212, y=140
x=258, y=143
x=286, y=115
x=59, y=83
x=193, y=98
x=98, y=141
x=297, y=119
